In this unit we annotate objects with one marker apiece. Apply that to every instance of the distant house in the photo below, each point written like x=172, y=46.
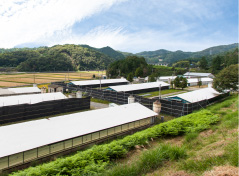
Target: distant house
x=55, y=88
x=198, y=75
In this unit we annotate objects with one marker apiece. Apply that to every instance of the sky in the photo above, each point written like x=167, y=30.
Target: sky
x=126, y=25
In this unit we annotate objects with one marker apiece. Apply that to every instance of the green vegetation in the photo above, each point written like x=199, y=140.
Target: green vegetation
x=163, y=92
x=167, y=71
x=227, y=79
x=107, y=51
x=148, y=160
x=172, y=57
x=129, y=65
x=56, y=58
x=180, y=82
x=99, y=101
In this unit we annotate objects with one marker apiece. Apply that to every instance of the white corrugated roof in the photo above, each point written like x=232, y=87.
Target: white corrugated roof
x=28, y=135
x=167, y=77
x=195, y=80
x=30, y=98
x=198, y=95
x=93, y=82
x=19, y=90
x=132, y=87
x=25, y=90
x=196, y=74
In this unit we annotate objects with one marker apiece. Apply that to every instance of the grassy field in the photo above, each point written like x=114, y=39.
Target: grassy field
x=12, y=80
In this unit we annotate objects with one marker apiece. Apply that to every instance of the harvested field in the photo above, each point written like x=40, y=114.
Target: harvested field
x=10, y=84
x=11, y=80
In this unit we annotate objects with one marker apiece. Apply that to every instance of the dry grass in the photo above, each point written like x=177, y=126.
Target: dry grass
x=10, y=84
x=222, y=171
x=11, y=80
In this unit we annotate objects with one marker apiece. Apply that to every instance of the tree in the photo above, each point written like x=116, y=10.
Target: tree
x=226, y=79
x=177, y=82
x=203, y=63
x=130, y=77
x=152, y=78
x=139, y=72
x=180, y=82
x=199, y=83
x=183, y=82
x=216, y=64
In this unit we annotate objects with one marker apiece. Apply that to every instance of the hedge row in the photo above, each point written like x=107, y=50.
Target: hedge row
x=95, y=159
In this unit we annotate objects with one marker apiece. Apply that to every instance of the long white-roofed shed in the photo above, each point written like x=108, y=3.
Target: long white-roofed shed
x=198, y=75
x=195, y=96
x=140, y=88
x=30, y=98
x=97, y=83
x=32, y=140
x=194, y=81
x=19, y=91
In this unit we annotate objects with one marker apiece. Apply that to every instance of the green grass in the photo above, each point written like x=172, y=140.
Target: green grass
x=99, y=101
x=148, y=160
x=163, y=92
x=191, y=136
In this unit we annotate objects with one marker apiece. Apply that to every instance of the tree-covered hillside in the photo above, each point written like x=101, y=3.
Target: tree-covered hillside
x=171, y=57
x=107, y=51
x=56, y=58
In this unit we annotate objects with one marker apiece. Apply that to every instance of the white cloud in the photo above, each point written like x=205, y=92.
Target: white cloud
x=31, y=21
x=145, y=40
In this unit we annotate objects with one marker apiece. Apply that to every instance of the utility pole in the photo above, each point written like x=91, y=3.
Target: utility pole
x=159, y=92
x=68, y=74
x=34, y=77
x=100, y=83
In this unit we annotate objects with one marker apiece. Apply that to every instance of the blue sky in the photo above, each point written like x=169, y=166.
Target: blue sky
x=126, y=25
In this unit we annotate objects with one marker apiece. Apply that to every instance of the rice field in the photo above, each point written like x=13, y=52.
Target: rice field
x=21, y=79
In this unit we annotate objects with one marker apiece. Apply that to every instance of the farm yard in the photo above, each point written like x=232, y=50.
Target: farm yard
x=21, y=79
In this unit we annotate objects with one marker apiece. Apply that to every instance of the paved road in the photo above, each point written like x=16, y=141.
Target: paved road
x=94, y=105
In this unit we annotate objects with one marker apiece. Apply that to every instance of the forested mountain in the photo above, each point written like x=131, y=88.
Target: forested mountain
x=56, y=58
x=85, y=57
x=107, y=51
x=171, y=57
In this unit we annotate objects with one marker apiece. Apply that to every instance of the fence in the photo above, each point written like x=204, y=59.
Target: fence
x=173, y=108
x=47, y=108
